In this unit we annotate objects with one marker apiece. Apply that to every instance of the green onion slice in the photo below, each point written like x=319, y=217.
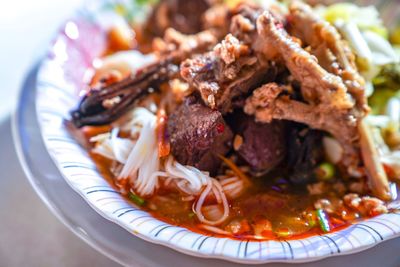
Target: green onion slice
x=323, y=221
x=136, y=199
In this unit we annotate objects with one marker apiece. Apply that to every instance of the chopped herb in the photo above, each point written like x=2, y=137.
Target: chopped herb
x=136, y=199
x=323, y=221
x=191, y=215
x=325, y=171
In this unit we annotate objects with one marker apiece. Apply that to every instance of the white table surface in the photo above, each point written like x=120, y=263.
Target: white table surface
x=29, y=234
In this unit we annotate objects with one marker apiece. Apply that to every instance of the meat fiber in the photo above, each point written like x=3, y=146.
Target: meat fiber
x=328, y=106
x=262, y=145
x=230, y=71
x=332, y=52
x=198, y=135
x=125, y=93
x=306, y=152
x=183, y=15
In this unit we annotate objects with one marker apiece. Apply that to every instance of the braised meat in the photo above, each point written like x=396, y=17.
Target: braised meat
x=306, y=152
x=198, y=135
x=260, y=68
x=261, y=145
x=332, y=52
x=329, y=105
x=334, y=104
x=235, y=66
x=183, y=15
x=231, y=70
x=124, y=94
x=266, y=104
x=184, y=45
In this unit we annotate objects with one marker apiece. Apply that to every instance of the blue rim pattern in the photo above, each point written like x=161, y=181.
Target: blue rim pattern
x=59, y=79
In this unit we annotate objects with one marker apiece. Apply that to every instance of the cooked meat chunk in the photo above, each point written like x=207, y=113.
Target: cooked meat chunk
x=332, y=52
x=198, y=135
x=182, y=44
x=333, y=104
x=262, y=145
x=306, y=152
x=226, y=73
x=267, y=104
x=124, y=94
x=96, y=108
x=317, y=85
x=183, y=15
x=330, y=107
x=243, y=24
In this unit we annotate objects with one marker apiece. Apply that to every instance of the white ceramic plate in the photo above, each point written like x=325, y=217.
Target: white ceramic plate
x=59, y=80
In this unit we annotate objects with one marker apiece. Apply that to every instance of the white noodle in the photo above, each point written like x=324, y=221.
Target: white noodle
x=143, y=159
x=233, y=187
x=143, y=168
x=200, y=202
x=111, y=146
x=216, y=194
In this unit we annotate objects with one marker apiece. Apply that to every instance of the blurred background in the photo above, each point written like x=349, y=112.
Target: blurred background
x=29, y=234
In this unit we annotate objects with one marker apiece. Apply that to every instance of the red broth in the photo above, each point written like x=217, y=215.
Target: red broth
x=286, y=213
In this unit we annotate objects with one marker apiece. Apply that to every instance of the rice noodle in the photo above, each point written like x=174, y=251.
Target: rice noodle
x=233, y=187
x=143, y=168
x=198, y=206
x=111, y=146
x=143, y=160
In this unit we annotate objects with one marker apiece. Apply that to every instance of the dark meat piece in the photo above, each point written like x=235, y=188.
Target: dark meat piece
x=182, y=15
x=329, y=106
x=269, y=102
x=92, y=109
x=261, y=145
x=198, y=135
x=336, y=100
x=124, y=94
x=230, y=71
x=235, y=66
x=305, y=146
